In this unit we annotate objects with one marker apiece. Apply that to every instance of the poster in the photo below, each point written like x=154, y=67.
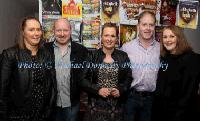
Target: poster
x=47, y=25
x=72, y=9
x=127, y=33
x=91, y=32
x=131, y=9
x=91, y=7
x=188, y=14
x=76, y=28
x=51, y=7
x=91, y=23
x=87, y=17
x=110, y=11
x=158, y=33
x=168, y=12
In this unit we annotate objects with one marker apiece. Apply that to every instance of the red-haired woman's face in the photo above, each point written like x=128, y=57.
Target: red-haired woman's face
x=32, y=33
x=169, y=40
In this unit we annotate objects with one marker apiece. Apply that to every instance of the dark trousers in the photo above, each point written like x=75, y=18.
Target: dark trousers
x=138, y=106
x=67, y=113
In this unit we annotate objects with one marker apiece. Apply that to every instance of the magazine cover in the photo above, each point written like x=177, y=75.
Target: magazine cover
x=158, y=33
x=168, y=12
x=109, y=11
x=91, y=23
x=72, y=9
x=76, y=28
x=91, y=32
x=47, y=25
x=131, y=9
x=188, y=14
x=91, y=7
x=127, y=33
x=51, y=7
x=158, y=9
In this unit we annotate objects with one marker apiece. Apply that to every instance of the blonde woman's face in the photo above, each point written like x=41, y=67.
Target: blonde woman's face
x=32, y=33
x=169, y=41
x=109, y=38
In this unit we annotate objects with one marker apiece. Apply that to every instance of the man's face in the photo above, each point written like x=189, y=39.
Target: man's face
x=146, y=28
x=62, y=31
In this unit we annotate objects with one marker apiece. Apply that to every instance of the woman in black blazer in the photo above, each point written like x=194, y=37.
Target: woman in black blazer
x=178, y=79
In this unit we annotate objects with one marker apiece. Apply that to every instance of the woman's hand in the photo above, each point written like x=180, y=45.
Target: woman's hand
x=115, y=92
x=104, y=92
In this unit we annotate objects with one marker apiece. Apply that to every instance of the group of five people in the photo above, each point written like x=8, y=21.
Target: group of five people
x=144, y=80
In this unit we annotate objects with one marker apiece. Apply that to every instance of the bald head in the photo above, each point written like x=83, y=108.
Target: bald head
x=62, y=21
x=62, y=31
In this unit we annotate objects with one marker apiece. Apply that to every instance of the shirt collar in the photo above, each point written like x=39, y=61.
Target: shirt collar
x=55, y=45
x=153, y=42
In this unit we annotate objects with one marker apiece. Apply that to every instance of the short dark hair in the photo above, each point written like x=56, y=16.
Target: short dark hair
x=145, y=13
x=110, y=25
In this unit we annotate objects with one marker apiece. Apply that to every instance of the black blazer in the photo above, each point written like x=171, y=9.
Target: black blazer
x=16, y=80
x=89, y=83
x=177, y=87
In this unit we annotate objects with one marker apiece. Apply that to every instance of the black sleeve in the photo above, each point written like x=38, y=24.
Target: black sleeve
x=87, y=82
x=189, y=87
x=126, y=78
x=5, y=74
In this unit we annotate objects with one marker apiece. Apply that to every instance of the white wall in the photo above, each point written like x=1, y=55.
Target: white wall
x=11, y=12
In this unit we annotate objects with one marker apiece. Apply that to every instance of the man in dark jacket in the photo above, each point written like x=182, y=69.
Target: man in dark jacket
x=69, y=59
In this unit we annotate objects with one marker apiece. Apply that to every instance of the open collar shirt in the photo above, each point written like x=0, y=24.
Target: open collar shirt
x=63, y=65
x=144, y=63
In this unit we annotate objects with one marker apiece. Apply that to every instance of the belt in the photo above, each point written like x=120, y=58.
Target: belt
x=141, y=93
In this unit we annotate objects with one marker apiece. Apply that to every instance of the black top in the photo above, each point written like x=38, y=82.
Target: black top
x=18, y=82
x=95, y=59
x=177, y=87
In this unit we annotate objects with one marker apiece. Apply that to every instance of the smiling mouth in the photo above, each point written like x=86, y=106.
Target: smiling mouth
x=147, y=32
x=168, y=44
x=35, y=38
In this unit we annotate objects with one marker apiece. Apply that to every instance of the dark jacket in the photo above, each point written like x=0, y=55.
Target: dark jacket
x=95, y=59
x=16, y=80
x=177, y=86
x=77, y=58
x=0, y=59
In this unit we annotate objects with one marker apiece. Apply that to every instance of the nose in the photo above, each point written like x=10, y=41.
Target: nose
x=148, y=26
x=62, y=32
x=167, y=39
x=109, y=39
x=37, y=32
